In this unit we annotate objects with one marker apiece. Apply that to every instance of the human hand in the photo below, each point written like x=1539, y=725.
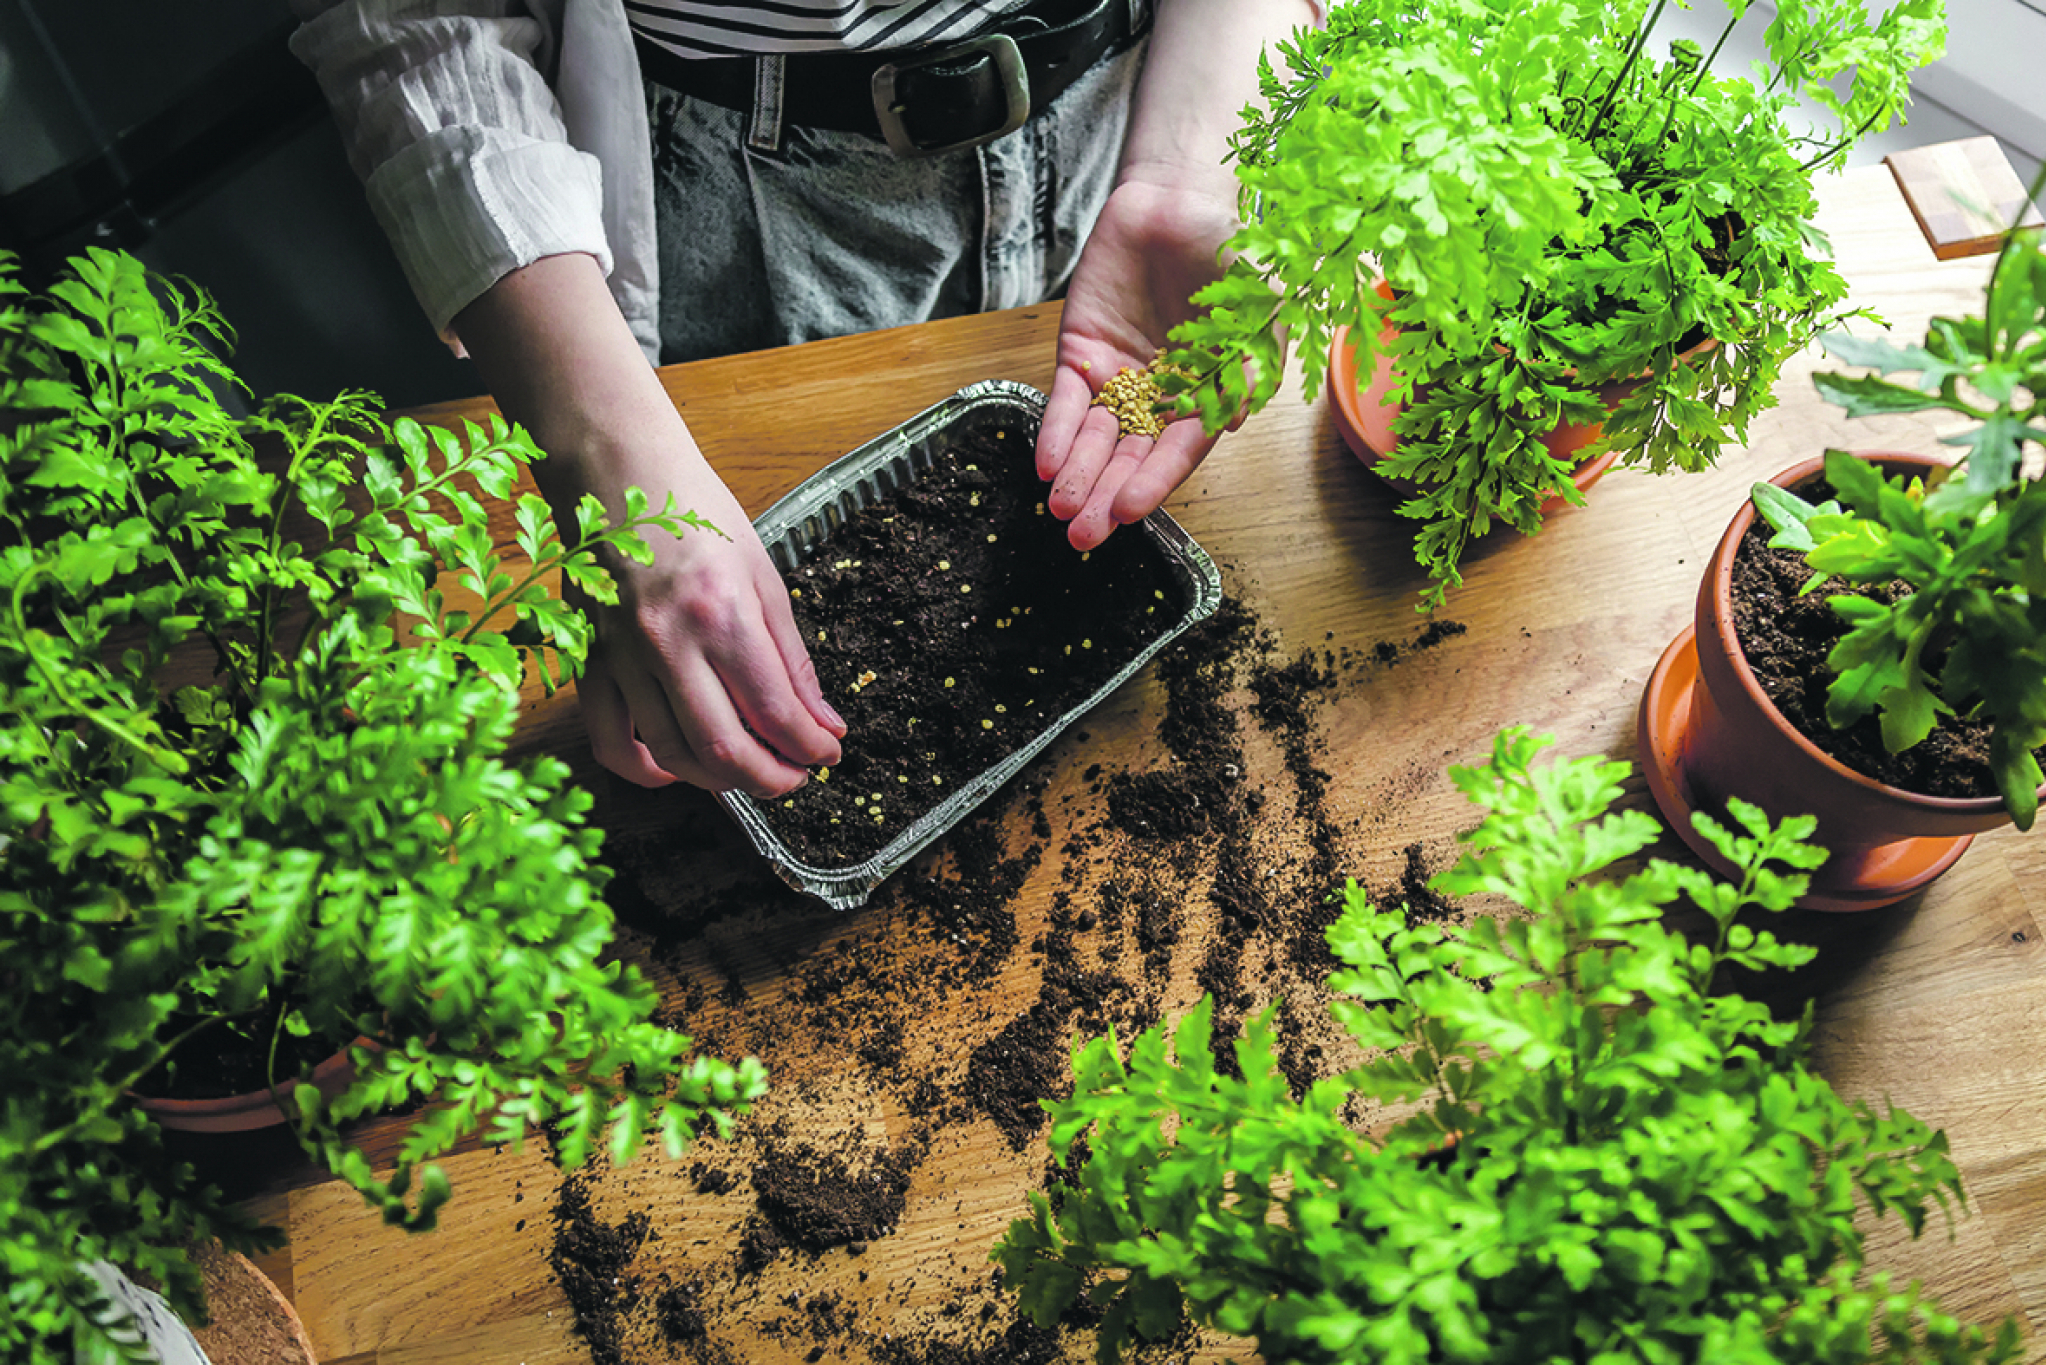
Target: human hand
x=698, y=673
x=1153, y=247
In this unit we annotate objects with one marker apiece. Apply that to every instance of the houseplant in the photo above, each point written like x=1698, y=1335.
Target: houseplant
x=1945, y=620
x=1611, y=1159
x=310, y=828
x=1553, y=209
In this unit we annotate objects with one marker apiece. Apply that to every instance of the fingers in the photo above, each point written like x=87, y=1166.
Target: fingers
x=1095, y=520
x=609, y=722
x=1064, y=411
x=795, y=657
x=1093, y=447
x=1171, y=461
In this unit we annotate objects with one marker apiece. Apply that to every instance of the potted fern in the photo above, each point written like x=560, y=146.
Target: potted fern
x=1919, y=584
x=253, y=779
x=1524, y=218
x=1609, y=1156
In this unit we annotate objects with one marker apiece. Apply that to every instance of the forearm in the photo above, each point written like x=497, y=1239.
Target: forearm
x=559, y=359
x=1200, y=72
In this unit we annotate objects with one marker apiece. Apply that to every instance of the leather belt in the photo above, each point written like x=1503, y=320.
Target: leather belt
x=921, y=102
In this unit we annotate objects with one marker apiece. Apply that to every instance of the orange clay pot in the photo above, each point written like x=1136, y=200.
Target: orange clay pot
x=1708, y=731
x=255, y=1109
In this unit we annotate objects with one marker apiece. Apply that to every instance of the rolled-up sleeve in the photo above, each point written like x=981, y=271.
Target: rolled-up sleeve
x=449, y=120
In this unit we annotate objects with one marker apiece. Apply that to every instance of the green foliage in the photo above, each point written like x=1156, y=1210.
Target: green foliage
x=1969, y=639
x=257, y=784
x=1606, y=1160
x=1555, y=209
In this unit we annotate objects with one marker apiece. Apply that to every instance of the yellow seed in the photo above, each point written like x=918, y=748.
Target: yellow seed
x=999, y=708
x=966, y=587
x=937, y=782
x=795, y=592
x=944, y=564
x=973, y=500
x=987, y=725
x=820, y=635
x=1086, y=365
x=950, y=681
x=1086, y=555
x=1040, y=509
x=1086, y=644
x=824, y=774
x=901, y=777
x=1001, y=436
x=876, y=796
x=990, y=540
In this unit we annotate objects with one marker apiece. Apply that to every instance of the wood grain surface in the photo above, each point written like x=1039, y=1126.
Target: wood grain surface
x=1938, y=1004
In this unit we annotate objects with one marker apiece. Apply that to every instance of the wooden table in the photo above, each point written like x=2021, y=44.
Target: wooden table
x=1938, y=1004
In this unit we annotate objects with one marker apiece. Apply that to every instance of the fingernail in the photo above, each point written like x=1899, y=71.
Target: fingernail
x=832, y=712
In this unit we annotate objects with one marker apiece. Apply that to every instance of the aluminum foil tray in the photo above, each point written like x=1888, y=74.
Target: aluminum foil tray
x=794, y=529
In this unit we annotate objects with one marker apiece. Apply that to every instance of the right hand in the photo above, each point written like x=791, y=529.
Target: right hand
x=698, y=673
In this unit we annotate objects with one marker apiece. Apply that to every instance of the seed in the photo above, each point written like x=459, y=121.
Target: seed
x=820, y=635
x=1134, y=397
x=937, y=781
x=1085, y=555
x=1086, y=644
x=899, y=777
x=987, y=725
x=999, y=708
x=824, y=774
x=1086, y=365
x=1001, y=436
x=990, y=540
x=944, y=564
x=843, y=564
x=973, y=499
x=950, y=681
x=795, y=592
x=966, y=587
x=876, y=796
x=1040, y=509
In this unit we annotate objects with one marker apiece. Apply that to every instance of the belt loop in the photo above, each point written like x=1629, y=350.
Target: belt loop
x=763, y=124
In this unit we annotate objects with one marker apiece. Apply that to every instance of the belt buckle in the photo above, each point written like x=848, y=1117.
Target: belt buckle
x=1015, y=83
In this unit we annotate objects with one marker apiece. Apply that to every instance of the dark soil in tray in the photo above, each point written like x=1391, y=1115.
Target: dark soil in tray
x=1786, y=639
x=951, y=624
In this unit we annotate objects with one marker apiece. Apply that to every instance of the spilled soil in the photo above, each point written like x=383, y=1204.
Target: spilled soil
x=912, y=1044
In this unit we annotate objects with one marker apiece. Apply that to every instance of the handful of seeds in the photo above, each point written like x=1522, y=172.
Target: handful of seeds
x=1135, y=398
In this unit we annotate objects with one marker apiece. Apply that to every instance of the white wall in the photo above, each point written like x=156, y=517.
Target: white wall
x=1992, y=80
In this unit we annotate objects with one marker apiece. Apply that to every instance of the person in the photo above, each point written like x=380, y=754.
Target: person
x=577, y=188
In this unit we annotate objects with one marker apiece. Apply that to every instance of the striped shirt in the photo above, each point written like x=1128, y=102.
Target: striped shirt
x=725, y=28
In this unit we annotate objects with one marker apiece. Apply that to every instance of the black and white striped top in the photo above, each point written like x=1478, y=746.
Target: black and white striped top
x=724, y=28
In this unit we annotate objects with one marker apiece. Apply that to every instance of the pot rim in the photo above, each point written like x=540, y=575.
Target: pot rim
x=1719, y=593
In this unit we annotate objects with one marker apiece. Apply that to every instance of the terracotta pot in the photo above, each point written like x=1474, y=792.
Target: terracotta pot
x=1707, y=731
x=1364, y=419
x=257, y=1108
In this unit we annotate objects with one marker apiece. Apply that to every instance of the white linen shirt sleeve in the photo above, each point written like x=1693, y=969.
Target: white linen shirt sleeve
x=451, y=119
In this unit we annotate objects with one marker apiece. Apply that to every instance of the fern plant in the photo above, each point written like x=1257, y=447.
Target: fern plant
x=1553, y=207
x=255, y=782
x=1609, y=1158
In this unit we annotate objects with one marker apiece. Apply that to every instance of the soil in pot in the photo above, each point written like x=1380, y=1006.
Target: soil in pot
x=228, y=1058
x=950, y=624
x=1786, y=638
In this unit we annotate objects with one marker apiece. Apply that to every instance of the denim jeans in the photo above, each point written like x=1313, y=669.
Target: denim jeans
x=775, y=236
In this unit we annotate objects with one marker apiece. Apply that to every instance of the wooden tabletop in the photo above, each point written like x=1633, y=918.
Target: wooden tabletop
x=870, y=1021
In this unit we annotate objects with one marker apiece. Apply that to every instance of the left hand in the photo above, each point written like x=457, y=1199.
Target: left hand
x=1153, y=247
